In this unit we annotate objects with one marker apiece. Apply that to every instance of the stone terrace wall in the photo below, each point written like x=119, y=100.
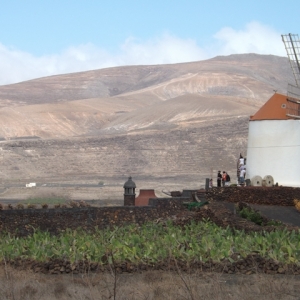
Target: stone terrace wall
x=282, y=196
x=25, y=221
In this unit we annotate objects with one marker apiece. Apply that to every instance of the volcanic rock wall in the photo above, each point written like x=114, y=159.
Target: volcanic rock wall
x=25, y=221
x=281, y=196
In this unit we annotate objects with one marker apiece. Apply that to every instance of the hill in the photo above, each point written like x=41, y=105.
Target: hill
x=165, y=125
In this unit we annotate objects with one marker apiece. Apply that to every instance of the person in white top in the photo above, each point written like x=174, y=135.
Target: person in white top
x=242, y=161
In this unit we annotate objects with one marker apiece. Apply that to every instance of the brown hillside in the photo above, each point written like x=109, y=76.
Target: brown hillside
x=166, y=121
x=80, y=103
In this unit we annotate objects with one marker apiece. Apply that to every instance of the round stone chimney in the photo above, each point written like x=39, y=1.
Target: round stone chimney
x=129, y=192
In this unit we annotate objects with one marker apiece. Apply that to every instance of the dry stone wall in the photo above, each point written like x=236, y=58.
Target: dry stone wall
x=25, y=221
x=281, y=196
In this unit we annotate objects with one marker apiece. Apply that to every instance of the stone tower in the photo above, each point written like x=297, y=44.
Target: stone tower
x=129, y=192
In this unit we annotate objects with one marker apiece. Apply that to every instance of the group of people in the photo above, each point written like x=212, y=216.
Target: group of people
x=223, y=179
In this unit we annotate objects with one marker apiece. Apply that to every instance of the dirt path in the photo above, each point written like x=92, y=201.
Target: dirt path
x=285, y=214
x=157, y=285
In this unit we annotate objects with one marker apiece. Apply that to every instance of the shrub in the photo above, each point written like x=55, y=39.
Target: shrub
x=45, y=205
x=251, y=215
x=297, y=204
x=74, y=204
x=20, y=206
x=274, y=223
x=83, y=204
x=31, y=206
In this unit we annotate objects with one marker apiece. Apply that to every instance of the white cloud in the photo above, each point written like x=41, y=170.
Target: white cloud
x=18, y=66
x=255, y=38
x=166, y=49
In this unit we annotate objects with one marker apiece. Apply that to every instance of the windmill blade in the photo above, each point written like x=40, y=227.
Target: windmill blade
x=293, y=101
x=292, y=46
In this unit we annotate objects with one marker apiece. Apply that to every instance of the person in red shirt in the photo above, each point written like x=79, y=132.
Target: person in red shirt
x=223, y=178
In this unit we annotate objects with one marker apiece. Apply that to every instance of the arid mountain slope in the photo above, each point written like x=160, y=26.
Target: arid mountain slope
x=268, y=69
x=86, y=102
x=177, y=123
x=174, y=158
x=178, y=112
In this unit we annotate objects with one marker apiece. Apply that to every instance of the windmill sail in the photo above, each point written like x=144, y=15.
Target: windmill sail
x=292, y=46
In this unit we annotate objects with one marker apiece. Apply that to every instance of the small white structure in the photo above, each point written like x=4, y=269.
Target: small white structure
x=31, y=184
x=273, y=152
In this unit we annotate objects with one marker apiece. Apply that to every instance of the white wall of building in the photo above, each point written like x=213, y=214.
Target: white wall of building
x=274, y=149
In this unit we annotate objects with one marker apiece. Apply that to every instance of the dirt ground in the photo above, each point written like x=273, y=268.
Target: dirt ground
x=110, y=192
x=23, y=285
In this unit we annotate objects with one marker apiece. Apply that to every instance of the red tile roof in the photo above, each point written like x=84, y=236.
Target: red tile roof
x=144, y=196
x=273, y=109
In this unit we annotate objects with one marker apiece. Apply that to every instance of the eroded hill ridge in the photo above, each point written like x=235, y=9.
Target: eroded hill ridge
x=161, y=121
x=83, y=103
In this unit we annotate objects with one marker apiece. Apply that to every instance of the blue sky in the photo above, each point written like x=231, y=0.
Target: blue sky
x=47, y=37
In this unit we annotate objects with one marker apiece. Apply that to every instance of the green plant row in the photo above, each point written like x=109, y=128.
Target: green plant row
x=254, y=216
x=153, y=243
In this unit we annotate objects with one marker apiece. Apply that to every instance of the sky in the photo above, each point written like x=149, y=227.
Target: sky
x=40, y=38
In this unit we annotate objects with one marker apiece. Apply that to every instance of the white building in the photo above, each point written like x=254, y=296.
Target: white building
x=273, y=152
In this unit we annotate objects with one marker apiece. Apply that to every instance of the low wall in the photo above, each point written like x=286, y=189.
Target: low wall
x=25, y=221
x=282, y=196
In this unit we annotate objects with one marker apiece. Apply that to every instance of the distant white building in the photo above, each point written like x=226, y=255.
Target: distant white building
x=273, y=152
x=31, y=184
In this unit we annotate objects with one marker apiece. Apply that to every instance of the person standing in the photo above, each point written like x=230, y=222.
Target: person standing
x=219, y=179
x=242, y=176
x=241, y=159
x=227, y=181
x=223, y=178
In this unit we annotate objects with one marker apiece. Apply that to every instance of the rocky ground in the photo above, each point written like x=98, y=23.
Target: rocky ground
x=160, y=160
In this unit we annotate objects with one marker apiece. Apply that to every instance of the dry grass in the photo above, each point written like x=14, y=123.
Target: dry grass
x=17, y=285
